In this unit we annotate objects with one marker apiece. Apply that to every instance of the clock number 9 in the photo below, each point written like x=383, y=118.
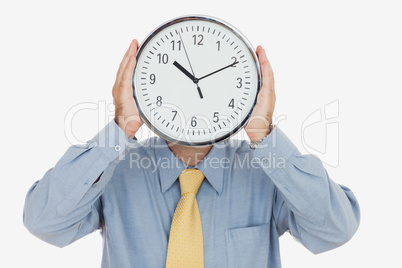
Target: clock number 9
x=163, y=58
x=152, y=77
x=201, y=37
x=193, y=122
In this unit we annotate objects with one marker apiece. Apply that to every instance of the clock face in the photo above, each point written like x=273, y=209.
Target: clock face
x=196, y=81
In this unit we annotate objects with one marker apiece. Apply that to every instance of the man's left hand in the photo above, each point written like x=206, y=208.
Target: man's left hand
x=259, y=123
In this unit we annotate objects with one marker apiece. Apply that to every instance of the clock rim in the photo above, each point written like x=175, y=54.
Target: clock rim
x=234, y=31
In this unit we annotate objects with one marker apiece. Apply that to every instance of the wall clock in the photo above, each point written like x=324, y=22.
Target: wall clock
x=196, y=80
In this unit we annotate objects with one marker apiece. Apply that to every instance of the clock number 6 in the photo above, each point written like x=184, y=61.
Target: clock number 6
x=193, y=121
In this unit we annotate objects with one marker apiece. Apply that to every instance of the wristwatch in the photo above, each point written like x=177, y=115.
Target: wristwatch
x=254, y=145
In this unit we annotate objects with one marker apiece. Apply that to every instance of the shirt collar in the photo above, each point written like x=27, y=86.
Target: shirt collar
x=170, y=167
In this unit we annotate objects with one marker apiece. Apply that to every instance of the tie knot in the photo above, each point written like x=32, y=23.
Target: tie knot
x=190, y=180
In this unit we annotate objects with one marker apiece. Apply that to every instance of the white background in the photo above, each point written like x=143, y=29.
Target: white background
x=55, y=55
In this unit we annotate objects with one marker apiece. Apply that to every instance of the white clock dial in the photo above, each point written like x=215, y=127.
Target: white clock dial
x=196, y=81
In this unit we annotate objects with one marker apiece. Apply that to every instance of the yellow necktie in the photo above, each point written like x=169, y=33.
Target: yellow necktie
x=186, y=248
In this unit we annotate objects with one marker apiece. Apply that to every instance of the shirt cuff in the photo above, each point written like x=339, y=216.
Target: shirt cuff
x=274, y=150
x=111, y=140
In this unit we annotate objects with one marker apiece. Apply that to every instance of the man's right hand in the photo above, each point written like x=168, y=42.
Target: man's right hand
x=126, y=113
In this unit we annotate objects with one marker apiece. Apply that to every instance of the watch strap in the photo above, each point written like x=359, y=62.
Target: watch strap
x=254, y=145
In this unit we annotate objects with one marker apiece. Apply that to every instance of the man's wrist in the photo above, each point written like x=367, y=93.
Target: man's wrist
x=130, y=128
x=256, y=140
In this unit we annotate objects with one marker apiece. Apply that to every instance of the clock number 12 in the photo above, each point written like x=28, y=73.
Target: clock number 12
x=200, y=39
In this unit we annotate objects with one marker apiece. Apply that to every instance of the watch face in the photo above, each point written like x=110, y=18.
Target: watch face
x=196, y=81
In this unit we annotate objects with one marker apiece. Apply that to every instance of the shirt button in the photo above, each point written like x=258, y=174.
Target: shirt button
x=117, y=148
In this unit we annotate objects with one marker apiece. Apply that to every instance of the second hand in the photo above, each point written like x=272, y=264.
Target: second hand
x=191, y=67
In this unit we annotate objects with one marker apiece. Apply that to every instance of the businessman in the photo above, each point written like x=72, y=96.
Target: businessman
x=159, y=204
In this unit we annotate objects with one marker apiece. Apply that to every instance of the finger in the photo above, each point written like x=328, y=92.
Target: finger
x=266, y=70
x=122, y=63
x=127, y=75
x=267, y=91
x=132, y=50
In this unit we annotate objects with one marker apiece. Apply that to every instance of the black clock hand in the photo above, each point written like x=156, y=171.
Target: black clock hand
x=181, y=68
x=199, y=91
x=221, y=69
x=195, y=80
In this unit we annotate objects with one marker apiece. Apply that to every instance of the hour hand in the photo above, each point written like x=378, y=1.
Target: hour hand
x=189, y=75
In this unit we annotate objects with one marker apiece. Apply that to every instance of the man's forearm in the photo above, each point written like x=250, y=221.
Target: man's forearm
x=59, y=208
x=317, y=211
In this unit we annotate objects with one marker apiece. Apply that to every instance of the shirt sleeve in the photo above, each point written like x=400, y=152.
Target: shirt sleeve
x=65, y=205
x=319, y=213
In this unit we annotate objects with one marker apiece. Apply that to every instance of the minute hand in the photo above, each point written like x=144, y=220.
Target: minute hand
x=221, y=69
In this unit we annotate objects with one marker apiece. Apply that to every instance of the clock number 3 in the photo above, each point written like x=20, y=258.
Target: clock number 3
x=240, y=82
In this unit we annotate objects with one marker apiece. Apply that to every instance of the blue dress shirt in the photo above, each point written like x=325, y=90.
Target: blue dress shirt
x=247, y=201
